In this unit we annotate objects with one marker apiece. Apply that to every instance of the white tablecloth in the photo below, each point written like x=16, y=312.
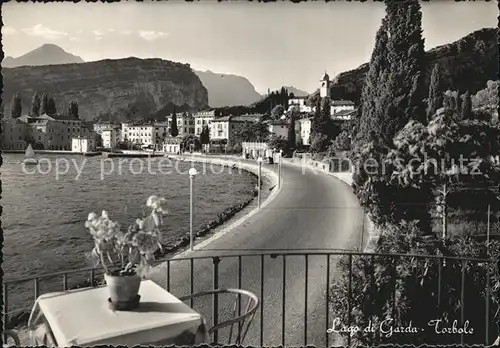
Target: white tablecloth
x=83, y=318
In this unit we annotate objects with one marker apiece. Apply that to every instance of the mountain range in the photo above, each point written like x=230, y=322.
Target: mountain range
x=48, y=54
x=466, y=65
x=223, y=89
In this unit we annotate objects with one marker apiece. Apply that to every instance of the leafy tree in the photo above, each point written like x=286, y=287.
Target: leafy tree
x=277, y=112
x=173, y=126
x=467, y=107
x=292, y=141
x=35, y=105
x=237, y=148
x=277, y=142
x=342, y=142
x=73, y=109
x=51, y=105
x=319, y=142
x=44, y=103
x=435, y=99
x=434, y=156
x=251, y=132
x=16, y=106
x=488, y=97
x=190, y=142
x=404, y=288
x=205, y=135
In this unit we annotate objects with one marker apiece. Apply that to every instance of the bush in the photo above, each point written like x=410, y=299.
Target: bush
x=405, y=289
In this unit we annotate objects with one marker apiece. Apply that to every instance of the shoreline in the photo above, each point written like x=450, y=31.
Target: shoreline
x=269, y=192
x=216, y=227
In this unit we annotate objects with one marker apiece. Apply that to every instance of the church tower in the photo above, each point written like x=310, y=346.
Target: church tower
x=324, y=89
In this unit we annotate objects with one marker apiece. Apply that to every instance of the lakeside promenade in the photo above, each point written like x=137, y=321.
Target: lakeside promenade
x=312, y=211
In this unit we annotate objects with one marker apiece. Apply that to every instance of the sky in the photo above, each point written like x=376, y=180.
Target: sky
x=271, y=44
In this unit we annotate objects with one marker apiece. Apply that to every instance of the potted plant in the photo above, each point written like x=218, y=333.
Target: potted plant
x=126, y=255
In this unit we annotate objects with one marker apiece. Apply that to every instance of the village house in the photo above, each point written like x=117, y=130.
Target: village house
x=299, y=103
x=172, y=145
x=280, y=129
x=185, y=123
x=305, y=130
x=14, y=134
x=204, y=118
x=83, y=144
x=44, y=132
x=223, y=129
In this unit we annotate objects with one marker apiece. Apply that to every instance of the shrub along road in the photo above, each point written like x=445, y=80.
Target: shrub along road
x=313, y=212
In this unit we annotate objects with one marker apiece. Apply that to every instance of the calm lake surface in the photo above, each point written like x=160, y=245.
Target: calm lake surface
x=44, y=213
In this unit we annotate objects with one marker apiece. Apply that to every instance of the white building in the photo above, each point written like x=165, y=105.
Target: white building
x=83, y=144
x=185, y=123
x=305, y=130
x=138, y=133
x=344, y=115
x=43, y=132
x=300, y=104
x=172, y=145
x=255, y=150
x=324, y=87
x=223, y=129
x=204, y=118
x=110, y=138
x=337, y=106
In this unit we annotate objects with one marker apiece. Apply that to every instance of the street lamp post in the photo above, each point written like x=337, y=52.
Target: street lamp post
x=259, y=160
x=279, y=168
x=192, y=173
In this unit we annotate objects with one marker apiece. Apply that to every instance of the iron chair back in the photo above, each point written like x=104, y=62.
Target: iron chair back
x=245, y=318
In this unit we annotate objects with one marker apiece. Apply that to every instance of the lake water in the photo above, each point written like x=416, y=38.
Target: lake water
x=44, y=212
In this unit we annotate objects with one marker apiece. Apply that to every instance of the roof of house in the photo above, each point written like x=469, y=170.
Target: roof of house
x=342, y=102
x=344, y=112
x=58, y=117
x=304, y=119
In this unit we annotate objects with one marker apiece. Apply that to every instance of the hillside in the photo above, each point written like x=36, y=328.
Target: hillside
x=120, y=89
x=47, y=54
x=296, y=91
x=466, y=64
x=227, y=90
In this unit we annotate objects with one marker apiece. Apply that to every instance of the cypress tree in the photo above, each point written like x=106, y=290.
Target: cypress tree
x=370, y=117
x=467, y=107
x=435, y=99
x=316, y=122
x=291, y=131
x=35, y=105
x=173, y=127
x=43, y=103
x=73, y=109
x=405, y=86
x=458, y=102
x=51, y=105
x=16, y=106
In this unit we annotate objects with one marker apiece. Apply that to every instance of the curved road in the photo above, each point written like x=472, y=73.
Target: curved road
x=313, y=211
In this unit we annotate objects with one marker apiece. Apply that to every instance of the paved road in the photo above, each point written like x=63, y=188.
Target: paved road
x=312, y=211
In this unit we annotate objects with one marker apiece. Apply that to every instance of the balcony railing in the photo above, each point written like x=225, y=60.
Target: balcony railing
x=298, y=307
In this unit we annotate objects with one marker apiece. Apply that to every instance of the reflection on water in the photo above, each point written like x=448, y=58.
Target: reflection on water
x=44, y=214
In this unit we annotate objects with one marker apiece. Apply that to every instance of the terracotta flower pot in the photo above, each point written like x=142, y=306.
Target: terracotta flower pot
x=123, y=288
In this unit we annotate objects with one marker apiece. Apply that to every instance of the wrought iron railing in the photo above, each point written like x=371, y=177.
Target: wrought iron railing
x=295, y=293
